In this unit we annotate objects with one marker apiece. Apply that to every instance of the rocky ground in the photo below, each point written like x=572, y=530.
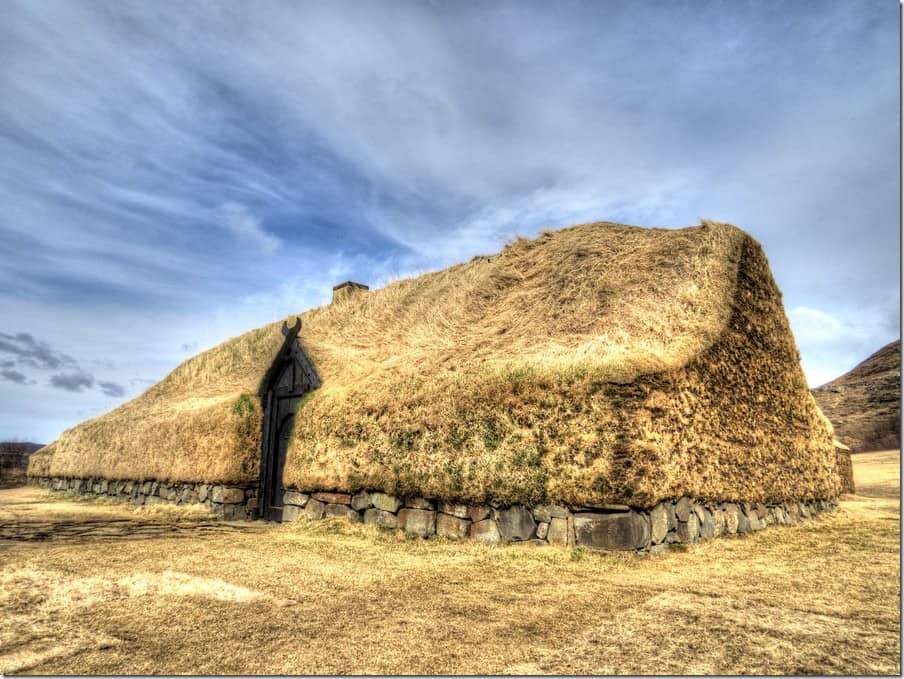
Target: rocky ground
x=864, y=404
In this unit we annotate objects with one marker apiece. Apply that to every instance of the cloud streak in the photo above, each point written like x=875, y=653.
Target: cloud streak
x=30, y=352
x=75, y=382
x=247, y=228
x=112, y=389
x=38, y=354
x=13, y=376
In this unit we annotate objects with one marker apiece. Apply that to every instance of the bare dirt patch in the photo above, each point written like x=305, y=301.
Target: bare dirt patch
x=819, y=597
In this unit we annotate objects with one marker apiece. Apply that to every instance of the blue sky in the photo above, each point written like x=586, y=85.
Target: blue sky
x=173, y=174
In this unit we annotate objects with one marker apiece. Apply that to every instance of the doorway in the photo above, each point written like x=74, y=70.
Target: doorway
x=290, y=377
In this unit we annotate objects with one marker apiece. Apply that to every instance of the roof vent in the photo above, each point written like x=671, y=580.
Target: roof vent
x=345, y=290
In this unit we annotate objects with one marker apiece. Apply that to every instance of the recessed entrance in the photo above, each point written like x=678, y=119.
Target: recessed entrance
x=290, y=377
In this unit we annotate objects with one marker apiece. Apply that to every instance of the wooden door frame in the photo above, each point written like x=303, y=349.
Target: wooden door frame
x=305, y=379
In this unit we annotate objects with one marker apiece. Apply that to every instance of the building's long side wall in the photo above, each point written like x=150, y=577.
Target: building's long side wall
x=191, y=444
x=737, y=424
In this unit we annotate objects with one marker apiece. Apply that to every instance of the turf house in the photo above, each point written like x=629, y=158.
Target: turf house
x=602, y=385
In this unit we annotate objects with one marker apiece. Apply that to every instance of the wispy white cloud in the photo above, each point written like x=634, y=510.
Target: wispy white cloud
x=815, y=327
x=831, y=345
x=247, y=228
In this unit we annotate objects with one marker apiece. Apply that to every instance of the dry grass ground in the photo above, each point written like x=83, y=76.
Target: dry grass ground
x=820, y=597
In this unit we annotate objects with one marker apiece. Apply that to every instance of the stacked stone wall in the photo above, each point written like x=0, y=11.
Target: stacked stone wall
x=226, y=502
x=604, y=527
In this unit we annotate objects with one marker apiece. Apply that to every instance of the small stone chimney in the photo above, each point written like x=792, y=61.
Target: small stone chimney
x=345, y=290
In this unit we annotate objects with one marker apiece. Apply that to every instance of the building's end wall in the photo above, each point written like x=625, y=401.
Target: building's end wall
x=736, y=424
x=845, y=470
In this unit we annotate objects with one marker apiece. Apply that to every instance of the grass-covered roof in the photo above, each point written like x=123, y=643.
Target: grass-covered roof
x=581, y=366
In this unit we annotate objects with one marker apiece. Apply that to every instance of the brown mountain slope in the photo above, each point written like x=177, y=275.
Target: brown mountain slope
x=865, y=403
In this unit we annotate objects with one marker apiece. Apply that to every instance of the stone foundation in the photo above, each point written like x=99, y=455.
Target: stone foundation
x=227, y=502
x=603, y=527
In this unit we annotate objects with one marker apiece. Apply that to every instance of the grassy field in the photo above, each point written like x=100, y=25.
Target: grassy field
x=120, y=590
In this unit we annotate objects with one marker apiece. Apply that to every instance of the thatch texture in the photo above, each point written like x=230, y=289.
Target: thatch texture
x=202, y=422
x=597, y=363
x=845, y=467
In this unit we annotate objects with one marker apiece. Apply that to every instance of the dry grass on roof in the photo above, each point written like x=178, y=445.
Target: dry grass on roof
x=736, y=423
x=508, y=377
x=629, y=300
x=201, y=422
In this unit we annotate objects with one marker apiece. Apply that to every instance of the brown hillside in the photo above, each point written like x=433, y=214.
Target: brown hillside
x=864, y=404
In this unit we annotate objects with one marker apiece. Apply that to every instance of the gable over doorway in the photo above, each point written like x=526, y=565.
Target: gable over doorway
x=290, y=377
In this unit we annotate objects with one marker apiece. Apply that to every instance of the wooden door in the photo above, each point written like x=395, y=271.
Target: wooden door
x=291, y=377
x=276, y=489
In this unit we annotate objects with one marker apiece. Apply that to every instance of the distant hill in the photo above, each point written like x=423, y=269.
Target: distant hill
x=14, y=460
x=865, y=403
